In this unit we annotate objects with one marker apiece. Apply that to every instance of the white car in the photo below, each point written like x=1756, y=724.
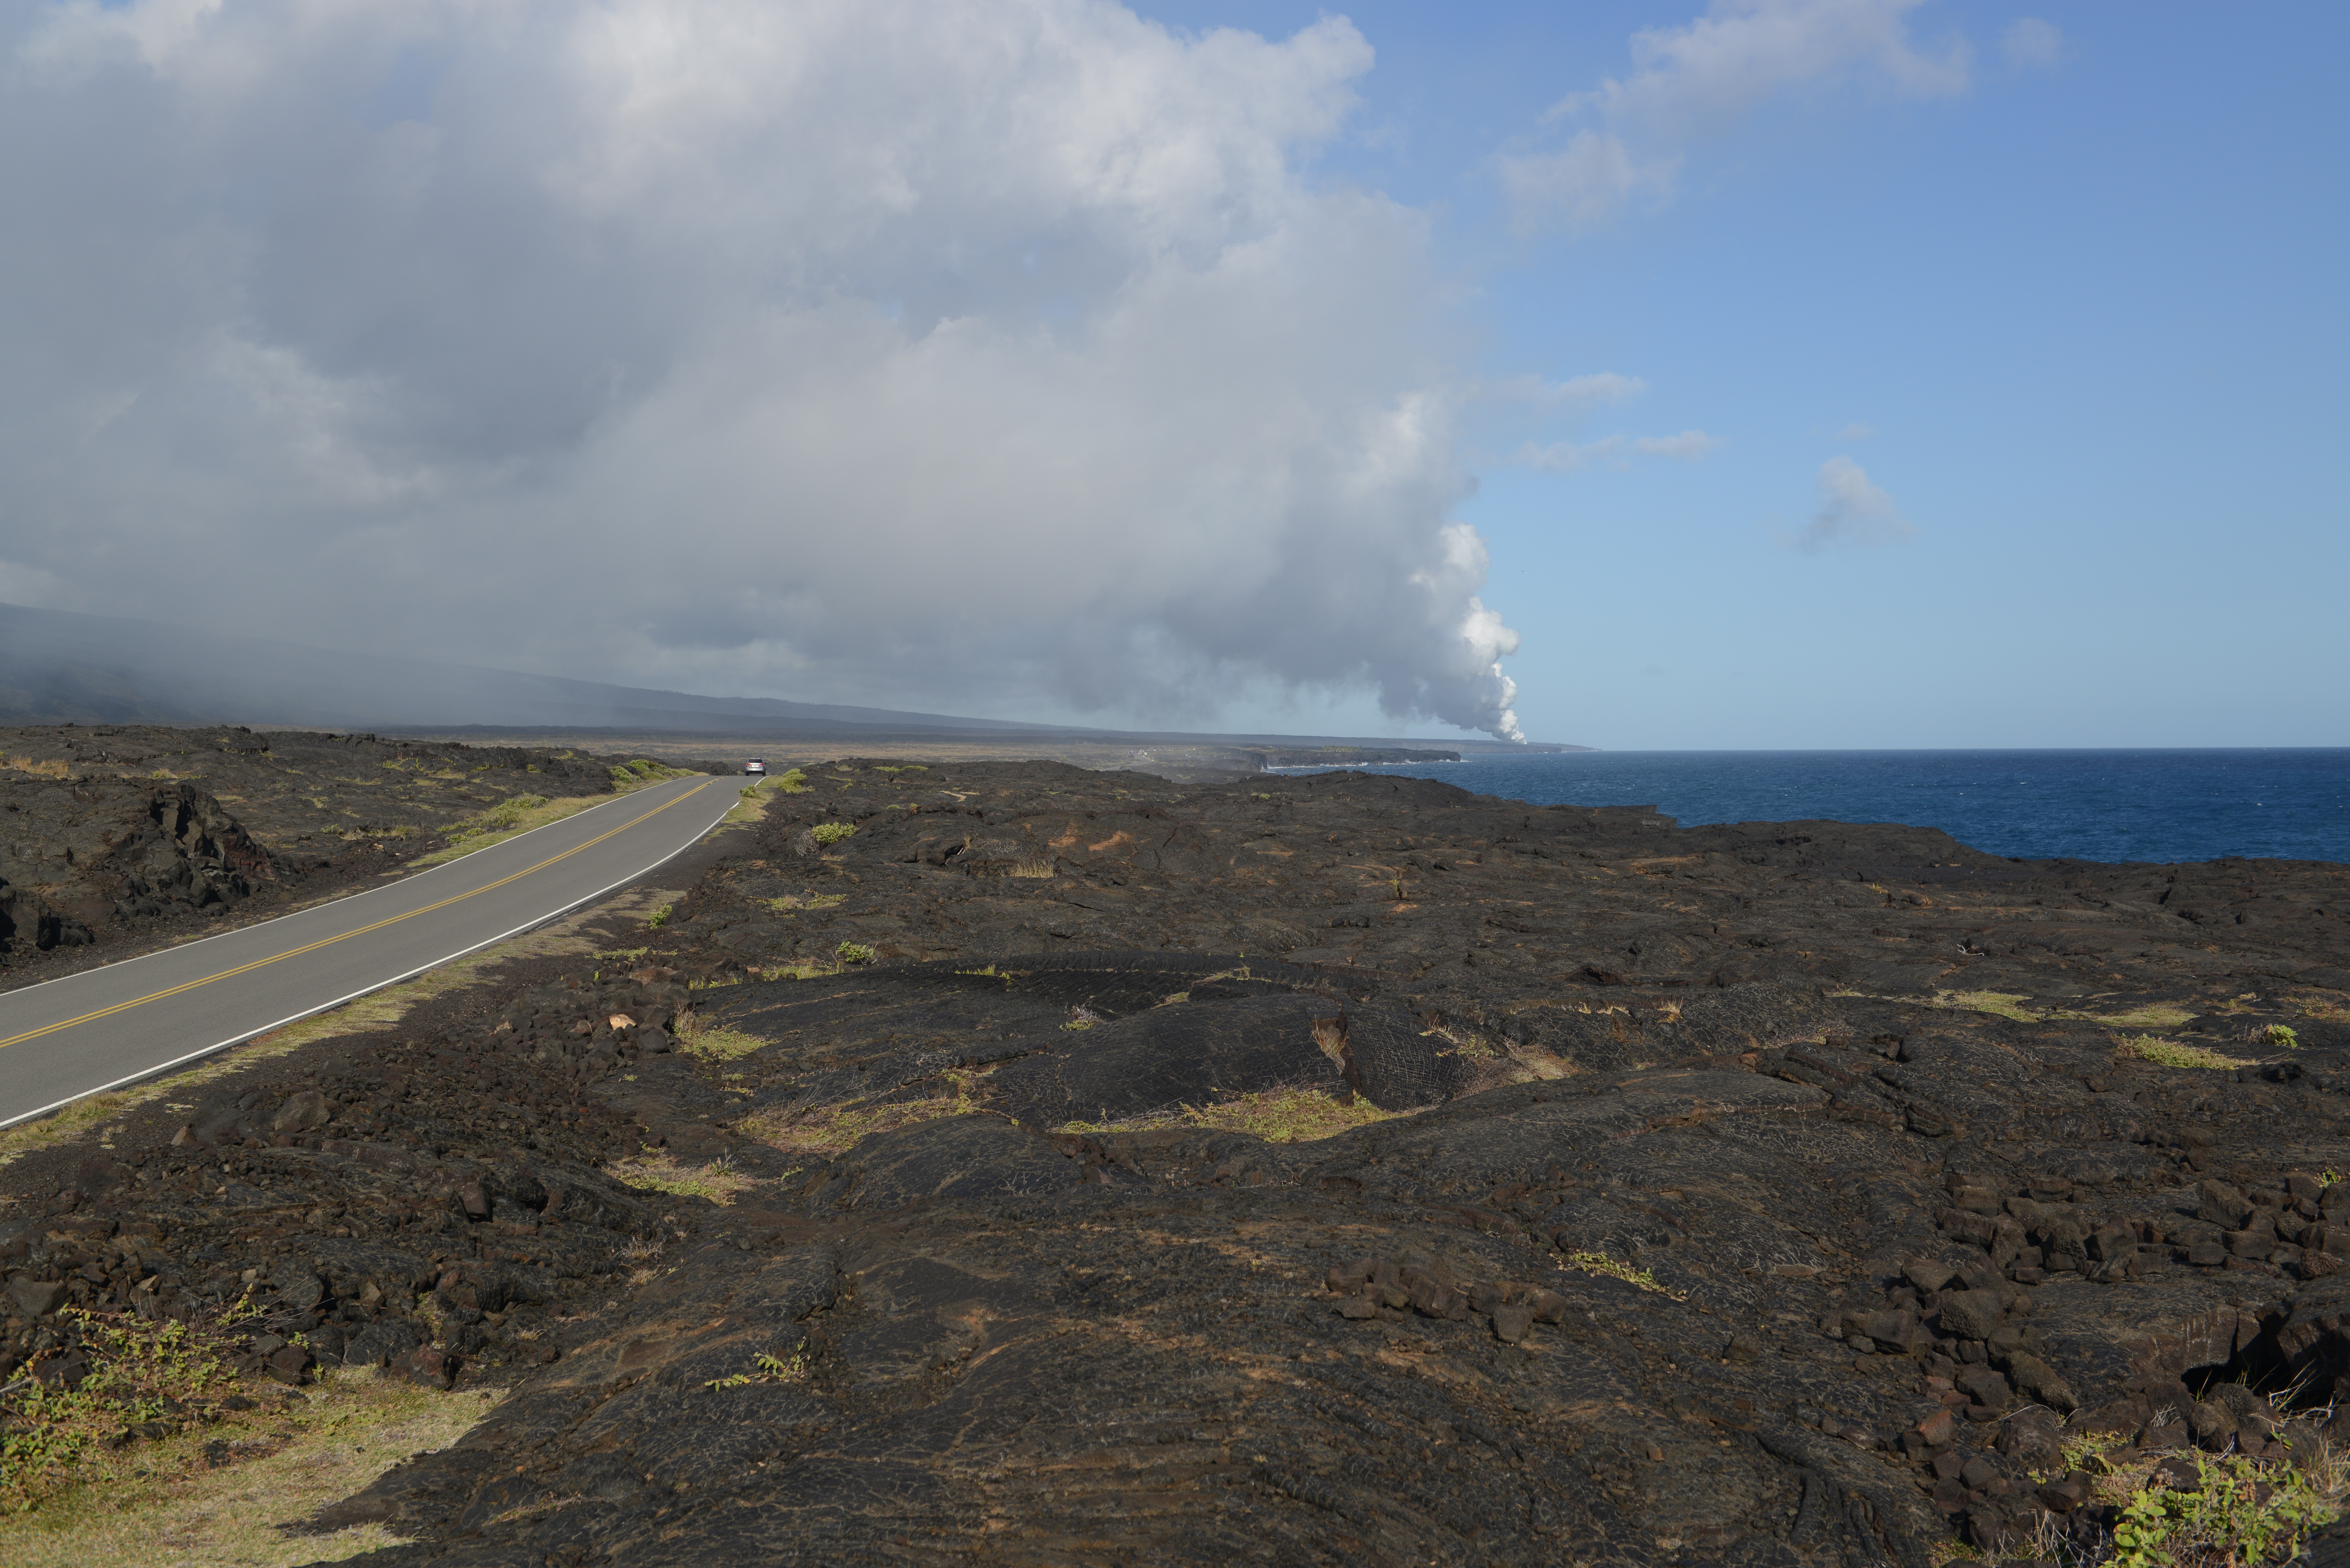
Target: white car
x=756, y=768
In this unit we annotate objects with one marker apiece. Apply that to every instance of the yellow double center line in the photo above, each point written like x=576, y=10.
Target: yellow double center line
x=360, y=932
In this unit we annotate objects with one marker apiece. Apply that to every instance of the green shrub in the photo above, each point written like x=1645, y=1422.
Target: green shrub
x=2239, y=1513
x=794, y=782
x=855, y=952
x=831, y=833
x=659, y=918
x=139, y=1372
x=2281, y=1036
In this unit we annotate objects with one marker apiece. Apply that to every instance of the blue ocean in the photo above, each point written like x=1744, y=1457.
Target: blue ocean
x=2158, y=805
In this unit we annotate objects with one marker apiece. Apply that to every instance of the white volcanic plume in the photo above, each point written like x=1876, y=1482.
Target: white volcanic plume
x=875, y=351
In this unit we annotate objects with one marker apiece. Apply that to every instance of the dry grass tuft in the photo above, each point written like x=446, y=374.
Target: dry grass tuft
x=1999, y=1004
x=810, y=1130
x=1292, y=1114
x=2156, y=1015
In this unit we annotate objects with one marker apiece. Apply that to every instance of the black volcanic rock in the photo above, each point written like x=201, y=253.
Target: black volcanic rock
x=1767, y=1194
x=106, y=830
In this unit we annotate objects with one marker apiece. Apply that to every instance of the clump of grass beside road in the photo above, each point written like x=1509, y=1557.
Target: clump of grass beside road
x=223, y=1491
x=518, y=814
x=753, y=803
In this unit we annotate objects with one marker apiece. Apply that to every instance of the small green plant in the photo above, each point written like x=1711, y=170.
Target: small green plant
x=2281, y=1037
x=831, y=833
x=793, y=782
x=855, y=952
x=659, y=918
x=1601, y=1263
x=766, y=1368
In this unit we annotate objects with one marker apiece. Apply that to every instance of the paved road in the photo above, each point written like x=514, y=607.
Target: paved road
x=94, y=1031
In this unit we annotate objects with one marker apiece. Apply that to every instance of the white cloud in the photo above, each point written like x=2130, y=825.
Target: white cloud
x=1853, y=511
x=1580, y=393
x=1583, y=185
x=1565, y=457
x=1857, y=432
x=1701, y=82
x=2033, y=44
x=1688, y=446
x=979, y=354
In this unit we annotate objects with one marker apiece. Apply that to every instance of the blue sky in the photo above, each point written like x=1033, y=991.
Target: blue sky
x=2083, y=321
x=1758, y=373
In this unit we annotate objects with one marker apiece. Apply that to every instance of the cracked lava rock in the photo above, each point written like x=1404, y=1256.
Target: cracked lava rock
x=1759, y=1194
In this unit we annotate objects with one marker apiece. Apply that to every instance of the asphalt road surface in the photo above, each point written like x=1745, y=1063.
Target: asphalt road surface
x=87, y=1032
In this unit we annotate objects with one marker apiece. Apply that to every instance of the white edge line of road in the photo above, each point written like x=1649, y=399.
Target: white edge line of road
x=244, y=1035
x=411, y=877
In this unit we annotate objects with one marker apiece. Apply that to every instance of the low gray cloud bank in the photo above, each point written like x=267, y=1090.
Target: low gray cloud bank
x=986, y=352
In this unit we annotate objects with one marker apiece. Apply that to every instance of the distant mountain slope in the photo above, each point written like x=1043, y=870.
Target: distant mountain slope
x=58, y=667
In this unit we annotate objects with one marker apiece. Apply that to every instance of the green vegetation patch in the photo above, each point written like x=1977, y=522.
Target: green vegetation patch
x=766, y=1368
x=510, y=818
x=1999, y=1004
x=203, y=1482
x=2172, y=1053
x=831, y=833
x=140, y=1375
x=2240, y=1511
x=709, y=1042
x=793, y=782
x=2155, y=1015
x=717, y=1180
x=1601, y=1263
x=644, y=770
